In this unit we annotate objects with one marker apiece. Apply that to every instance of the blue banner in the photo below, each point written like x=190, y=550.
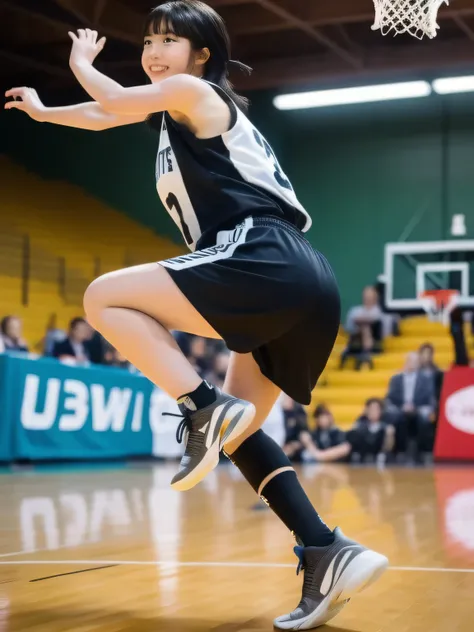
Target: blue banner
x=63, y=412
x=6, y=436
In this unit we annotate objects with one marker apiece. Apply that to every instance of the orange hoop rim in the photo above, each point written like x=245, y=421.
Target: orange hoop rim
x=441, y=297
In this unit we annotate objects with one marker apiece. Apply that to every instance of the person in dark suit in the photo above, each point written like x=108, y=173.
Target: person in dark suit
x=296, y=422
x=76, y=345
x=411, y=402
x=429, y=367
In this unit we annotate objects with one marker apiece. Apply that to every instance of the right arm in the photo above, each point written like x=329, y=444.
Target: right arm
x=90, y=115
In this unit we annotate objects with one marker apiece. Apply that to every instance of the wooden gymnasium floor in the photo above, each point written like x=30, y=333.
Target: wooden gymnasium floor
x=114, y=548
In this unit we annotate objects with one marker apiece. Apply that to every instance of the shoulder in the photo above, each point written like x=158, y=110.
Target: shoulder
x=188, y=89
x=205, y=111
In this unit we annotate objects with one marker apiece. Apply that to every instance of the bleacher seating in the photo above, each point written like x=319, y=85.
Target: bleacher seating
x=346, y=391
x=72, y=238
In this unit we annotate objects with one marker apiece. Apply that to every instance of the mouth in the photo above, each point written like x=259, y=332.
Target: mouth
x=157, y=69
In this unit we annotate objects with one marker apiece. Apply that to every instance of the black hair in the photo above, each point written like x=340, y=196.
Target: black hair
x=321, y=409
x=75, y=322
x=204, y=28
x=375, y=400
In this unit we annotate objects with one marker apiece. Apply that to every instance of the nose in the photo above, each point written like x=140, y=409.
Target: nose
x=154, y=52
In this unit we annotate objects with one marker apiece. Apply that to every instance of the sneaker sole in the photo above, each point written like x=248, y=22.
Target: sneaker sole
x=230, y=430
x=361, y=573
x=331, y=612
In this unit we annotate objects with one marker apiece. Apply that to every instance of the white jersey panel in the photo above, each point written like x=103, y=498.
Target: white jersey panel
x=172, y=190
x=257, y=164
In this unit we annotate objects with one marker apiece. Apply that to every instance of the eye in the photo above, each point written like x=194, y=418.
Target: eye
x=168, y=39
x=147, y=42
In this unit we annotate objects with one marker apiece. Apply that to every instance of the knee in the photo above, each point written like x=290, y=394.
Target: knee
x=93, y=301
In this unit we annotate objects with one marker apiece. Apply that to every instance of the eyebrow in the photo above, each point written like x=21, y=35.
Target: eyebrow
x=167, y=33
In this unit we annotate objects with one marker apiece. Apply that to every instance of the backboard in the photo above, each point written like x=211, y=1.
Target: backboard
x=412, y=269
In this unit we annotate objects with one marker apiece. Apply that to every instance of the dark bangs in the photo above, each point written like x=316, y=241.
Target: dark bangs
x=204, y=28
x=181, y=19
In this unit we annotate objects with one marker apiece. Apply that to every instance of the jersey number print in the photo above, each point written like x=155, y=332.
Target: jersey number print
x=172, y=201
x=278, y=175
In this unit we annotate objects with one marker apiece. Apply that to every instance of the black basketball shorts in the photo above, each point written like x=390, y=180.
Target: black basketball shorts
x=265, y=290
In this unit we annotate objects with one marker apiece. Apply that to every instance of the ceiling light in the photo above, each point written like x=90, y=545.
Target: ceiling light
x=344, y=96
x=451, y=85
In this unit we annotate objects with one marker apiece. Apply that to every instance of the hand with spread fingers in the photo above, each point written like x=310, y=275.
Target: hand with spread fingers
x=85, y=46
x=27, y=100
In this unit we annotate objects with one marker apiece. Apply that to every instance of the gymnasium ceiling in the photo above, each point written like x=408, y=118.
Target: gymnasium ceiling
x=287, y=42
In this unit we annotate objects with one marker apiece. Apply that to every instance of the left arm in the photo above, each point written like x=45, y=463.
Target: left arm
x=180, y=93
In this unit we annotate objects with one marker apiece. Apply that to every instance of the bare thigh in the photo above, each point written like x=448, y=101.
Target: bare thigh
x=148, y=289
x=245, y=380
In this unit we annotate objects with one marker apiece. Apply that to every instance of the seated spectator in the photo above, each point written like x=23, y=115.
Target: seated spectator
x=411, y=402
x=390, y=318
x=326, y=443
x=371, y=436
x=74, y=348
x=53, y=335
x=97, y=346
x=295, y=422
x=364, y=326
x=326, y=434
x=429, y=368
x=11, y=328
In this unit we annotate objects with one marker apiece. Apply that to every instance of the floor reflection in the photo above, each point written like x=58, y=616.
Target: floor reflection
x=406, y=509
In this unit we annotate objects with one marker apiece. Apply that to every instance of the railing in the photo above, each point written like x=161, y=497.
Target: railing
x=22, y=259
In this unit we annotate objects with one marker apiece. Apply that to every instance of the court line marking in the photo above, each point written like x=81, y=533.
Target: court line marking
x=171, y=564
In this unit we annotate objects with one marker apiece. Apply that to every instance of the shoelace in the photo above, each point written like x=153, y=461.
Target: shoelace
x=183, y=424
x=195, y=439
x=309, y=571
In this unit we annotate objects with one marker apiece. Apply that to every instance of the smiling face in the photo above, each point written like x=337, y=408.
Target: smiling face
x=180, y=37
x=165, y=55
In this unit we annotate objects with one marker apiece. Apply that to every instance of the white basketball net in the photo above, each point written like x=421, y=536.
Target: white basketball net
x=415, y=17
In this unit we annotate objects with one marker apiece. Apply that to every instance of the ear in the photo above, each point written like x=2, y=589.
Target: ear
x=203, y=56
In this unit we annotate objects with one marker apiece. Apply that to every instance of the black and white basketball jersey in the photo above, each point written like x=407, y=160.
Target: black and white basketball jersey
x=207, y=183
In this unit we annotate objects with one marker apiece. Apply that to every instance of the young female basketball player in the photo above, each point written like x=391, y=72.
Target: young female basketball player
x=251, y=279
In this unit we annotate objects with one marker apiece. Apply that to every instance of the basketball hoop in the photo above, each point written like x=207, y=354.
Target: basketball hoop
x=438, y=304
x=415, y=17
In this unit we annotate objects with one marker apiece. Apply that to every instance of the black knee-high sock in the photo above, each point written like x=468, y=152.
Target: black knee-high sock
x=259, y=458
